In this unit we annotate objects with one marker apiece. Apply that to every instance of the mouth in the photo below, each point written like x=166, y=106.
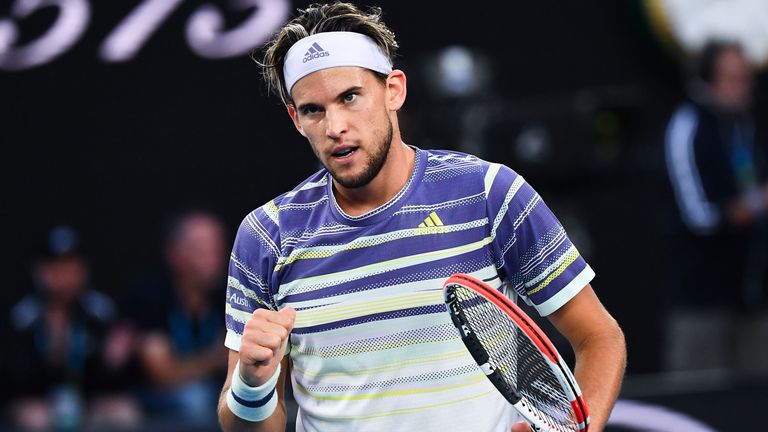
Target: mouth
x=343, y=152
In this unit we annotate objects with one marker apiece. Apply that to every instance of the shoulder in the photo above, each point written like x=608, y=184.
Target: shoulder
x=446, y=159
x=448, y=164
x=285, y=212
x=490, y=177
x=25, y=313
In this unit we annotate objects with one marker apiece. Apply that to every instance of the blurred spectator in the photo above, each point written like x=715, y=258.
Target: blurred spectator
x=68, y=356
x=717, y=173
x=181, y=321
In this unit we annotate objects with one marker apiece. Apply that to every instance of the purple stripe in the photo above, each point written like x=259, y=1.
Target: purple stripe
x=253, y=404
x=402, y=313
x=234, y=325
x=352, y=259
x=442, y=269
x=560, y=282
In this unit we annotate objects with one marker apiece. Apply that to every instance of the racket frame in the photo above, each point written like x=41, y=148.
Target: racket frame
x=533, y=332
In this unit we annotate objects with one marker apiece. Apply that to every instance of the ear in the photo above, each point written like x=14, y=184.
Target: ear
x=295, y=117
x=396, y=89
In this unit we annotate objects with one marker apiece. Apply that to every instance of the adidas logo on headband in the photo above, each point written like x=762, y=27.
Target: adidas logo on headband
x=315, y=51
x=348, y=48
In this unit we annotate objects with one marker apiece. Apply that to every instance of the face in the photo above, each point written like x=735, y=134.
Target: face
x=200, y=253
x=732, y=81
x=64, y=277
x=344, y=112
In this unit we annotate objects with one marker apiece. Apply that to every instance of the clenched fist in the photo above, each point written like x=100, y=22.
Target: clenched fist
x=263, y=344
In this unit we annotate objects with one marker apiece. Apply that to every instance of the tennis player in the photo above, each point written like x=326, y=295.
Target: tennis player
x=337, y=283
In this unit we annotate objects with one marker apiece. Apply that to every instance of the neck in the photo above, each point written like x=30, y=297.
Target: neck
x=393, y=176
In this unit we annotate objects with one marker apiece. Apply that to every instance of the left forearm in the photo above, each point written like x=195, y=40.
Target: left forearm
x=600, y=364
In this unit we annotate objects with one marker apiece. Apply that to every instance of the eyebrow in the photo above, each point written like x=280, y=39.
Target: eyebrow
x=340, y=96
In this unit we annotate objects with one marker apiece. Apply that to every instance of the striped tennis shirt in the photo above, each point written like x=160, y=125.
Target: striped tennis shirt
x=373, y=348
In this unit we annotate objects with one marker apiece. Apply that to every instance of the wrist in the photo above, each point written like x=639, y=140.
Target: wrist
x=252, y=403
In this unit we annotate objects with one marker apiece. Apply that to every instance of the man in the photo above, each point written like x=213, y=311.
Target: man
x=717, y=175
x=180, y=349
x=66, y=368
x=337, y=283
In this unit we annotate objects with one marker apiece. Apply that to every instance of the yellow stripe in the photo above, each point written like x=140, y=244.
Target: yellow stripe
x=470, y=382
x=331, y=313
x=392, y=413
x=272, y=211
x=234, y=283
x=384, y=266
x=238, y=314
x=414, y=362
x=571, y=258
x=315, y=252
x=435, y=219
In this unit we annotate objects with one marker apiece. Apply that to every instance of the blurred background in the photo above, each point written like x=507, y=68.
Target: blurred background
x=137, y=134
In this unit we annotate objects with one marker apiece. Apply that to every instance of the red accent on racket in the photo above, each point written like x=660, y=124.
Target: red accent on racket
x=516, y=356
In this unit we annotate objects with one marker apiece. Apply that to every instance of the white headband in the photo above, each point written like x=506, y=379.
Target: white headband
x=332, y=49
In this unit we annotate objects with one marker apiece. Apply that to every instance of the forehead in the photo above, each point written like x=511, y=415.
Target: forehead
x=329, y=83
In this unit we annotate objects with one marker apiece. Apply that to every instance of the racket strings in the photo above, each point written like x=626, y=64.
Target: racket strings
x=517, y=359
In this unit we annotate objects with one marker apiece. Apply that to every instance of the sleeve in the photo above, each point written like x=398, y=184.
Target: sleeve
x=531, y=249
x=689, y=158
x=254, y=254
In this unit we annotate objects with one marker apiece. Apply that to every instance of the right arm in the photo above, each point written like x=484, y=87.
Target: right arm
x=264, y=340
x=276, y=422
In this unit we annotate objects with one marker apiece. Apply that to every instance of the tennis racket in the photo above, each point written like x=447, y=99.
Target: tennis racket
x=518, y=358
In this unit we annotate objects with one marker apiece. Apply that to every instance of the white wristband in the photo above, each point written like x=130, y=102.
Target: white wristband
x=252, y=403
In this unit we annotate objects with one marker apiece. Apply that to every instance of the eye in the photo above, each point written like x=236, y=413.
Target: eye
x=350, y=97
x=310, y=109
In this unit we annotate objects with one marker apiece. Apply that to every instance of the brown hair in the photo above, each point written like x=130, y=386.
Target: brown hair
x=318, y=18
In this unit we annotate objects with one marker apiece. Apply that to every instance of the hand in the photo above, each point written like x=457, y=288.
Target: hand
x=521, y=427
x=263, y=344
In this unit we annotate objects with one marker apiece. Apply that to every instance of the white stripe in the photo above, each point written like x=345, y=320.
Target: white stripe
x=449, y=156
x=370, y=241
x=544, y=252
x=490, y=175
x=304, y=206
x=455, y=167
x=252, y=277
x=237, y=315
x=390, y=290
x=445, y=204
x=310, y=185
x=291, y=240
x=321, y=281
x=698, y=213
x=261, y=233
x=505, y=205
x=552, y=267
x=568, y=292
x=233, y=340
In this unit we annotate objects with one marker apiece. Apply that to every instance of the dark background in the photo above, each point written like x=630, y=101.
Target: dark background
x=113, y=148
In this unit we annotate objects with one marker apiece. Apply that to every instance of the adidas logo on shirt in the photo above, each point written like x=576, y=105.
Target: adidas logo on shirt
x=431, y=220
x=315, y=51
x=432, y=224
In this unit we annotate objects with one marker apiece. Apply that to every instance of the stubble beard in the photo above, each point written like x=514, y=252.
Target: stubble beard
x=373, y=165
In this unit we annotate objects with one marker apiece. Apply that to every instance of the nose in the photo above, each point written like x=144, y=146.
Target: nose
x=335, y=122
